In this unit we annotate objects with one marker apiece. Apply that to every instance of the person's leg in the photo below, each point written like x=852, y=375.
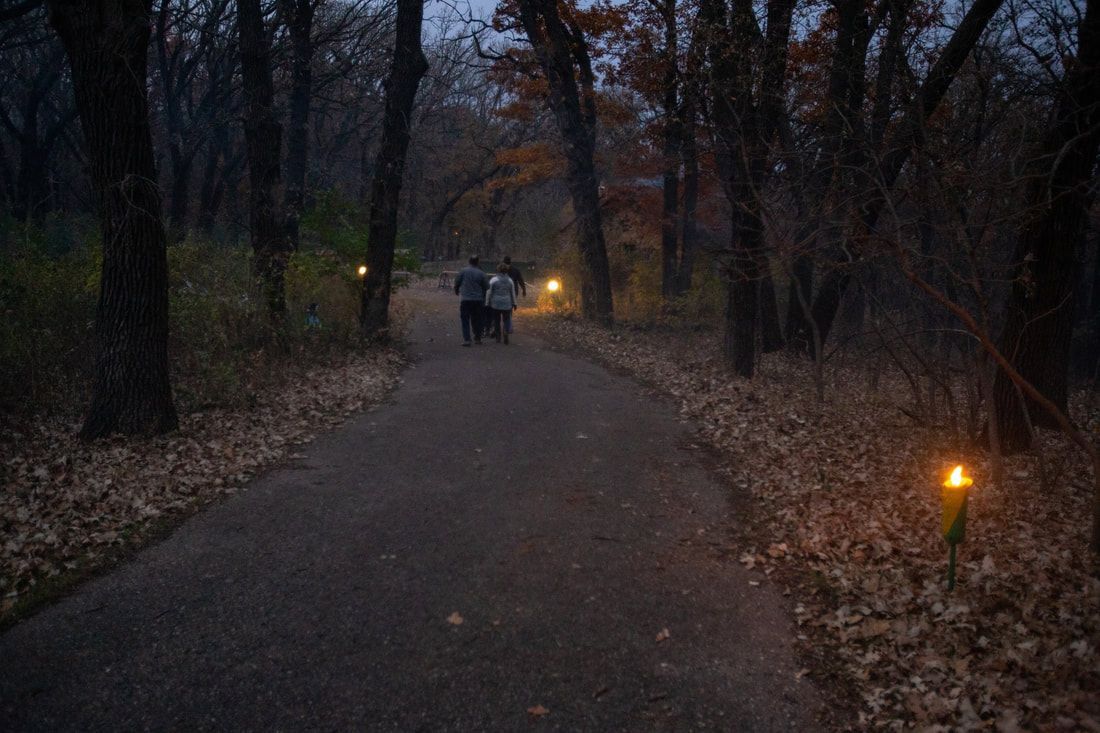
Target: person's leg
x=507, y=314
x=476, y=317
x=496, y=324
x=464, y=317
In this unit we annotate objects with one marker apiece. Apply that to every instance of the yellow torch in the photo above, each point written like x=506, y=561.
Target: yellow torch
x=954, y=496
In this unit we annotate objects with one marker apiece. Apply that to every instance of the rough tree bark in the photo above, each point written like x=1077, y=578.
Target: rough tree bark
x=409, y=66
x=263, y=141
x=107, y=43
x=562, y=53
x=1039, y=313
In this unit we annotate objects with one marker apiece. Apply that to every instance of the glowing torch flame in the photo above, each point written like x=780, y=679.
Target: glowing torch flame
x=957, y=480
x=553, y=286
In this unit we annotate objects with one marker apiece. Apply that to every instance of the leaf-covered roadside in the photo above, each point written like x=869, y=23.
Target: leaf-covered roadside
x=846, y=503
x=66, y=506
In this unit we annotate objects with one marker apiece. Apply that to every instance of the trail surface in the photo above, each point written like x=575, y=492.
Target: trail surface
x=556, y=510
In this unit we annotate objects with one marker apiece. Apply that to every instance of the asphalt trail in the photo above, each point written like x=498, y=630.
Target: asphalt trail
x=556, y=508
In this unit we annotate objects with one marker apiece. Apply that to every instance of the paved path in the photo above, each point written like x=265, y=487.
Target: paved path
x=553, y=506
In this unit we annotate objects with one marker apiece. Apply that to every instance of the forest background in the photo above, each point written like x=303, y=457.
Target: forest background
x=844, y=198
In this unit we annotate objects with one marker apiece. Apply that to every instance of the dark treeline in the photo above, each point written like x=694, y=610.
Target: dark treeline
x=231, y=124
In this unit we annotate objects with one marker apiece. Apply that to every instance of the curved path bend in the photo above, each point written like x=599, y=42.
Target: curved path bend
x=554, y=508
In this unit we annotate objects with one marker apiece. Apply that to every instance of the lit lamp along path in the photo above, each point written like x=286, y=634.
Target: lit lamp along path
x=954, y=496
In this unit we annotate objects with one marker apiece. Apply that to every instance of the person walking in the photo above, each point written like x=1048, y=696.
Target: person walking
x=517, y=284
x=501, y=298
x=516, y=275
x=471, y=285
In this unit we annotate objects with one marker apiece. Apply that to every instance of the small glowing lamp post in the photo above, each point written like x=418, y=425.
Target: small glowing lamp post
x=362, y=271
x=553, y=286
x=954, y=496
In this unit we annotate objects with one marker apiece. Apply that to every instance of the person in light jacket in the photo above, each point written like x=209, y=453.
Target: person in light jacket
x=501, y=299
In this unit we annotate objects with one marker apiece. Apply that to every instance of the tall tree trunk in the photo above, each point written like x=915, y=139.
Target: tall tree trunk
x=495, y=214
x=263, y=140
x=7, y=179
x=771, y=108
x=771, y=334
x=33, y=198
x=33, y=191
x=107, y=42
x=689, y=156
x=891, y=57
x=560, y=49
x=409, y=66
x=689, y=234
x=671, y=173
x=744, y=129
x=1039, y=314
x=798, y=328
x=179, y=199
x=179, y=157
x=1089, y=355
x=216, y=148
x=299, y=21
x=742, y=298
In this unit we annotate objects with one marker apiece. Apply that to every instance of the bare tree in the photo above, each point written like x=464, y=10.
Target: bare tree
x=271, y=248
x=562, y=53
x=106, y=42
x=409, y=65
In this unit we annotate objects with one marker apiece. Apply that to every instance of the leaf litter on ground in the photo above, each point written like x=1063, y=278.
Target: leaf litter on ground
x=846, y=509
x=68, y=506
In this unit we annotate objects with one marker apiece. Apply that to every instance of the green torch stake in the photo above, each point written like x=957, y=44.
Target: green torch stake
x=954, y=497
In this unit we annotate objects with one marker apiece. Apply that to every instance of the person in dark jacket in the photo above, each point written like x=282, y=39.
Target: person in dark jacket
x=470, y=286
x=517, y=277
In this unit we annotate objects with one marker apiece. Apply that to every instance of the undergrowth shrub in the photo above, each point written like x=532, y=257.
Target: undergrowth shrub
x=48, y=288
x=636, y=288
x=223, y=346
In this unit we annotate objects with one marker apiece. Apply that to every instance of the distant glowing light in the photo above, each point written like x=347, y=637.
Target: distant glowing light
x=553, y=286
x=362, y=270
